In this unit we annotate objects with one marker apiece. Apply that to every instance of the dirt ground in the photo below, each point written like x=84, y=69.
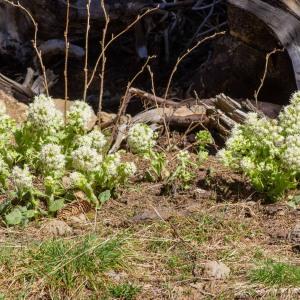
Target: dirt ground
x=169, y=239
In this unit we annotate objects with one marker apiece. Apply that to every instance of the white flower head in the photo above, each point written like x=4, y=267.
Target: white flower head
x=86, y=159
x=129, y=169
x=291, y=155
x=183, y=155
x=80, y=115
x=94, y=139
x=141, y=138
x=43, y=114
x=77, y=179
x=251, y=119
x=51, y=158
x=247, y=165
x=111, y=164
x=22, y=178
x=4, y=167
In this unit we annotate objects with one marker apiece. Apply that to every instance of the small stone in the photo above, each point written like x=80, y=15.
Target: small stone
x=216, y=270
x=295, y=234
x=151, y=215
x=56, y=228
x=78, y=222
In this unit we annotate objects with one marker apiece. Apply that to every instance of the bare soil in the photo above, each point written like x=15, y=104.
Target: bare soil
x=220, y=218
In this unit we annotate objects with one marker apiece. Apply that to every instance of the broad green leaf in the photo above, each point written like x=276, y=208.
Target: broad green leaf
x=56, y=205
x=14, y=218
x=29, y=214
x=104, y=196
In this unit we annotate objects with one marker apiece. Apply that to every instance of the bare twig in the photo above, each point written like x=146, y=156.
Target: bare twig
x=163, y=101
x=34, y=41
x=262, y=80
x=66, y=33
x=113, y=38
x=88, y=5
x=181, y=58
x=103, y=50
x=153, y=98
x=126, y=98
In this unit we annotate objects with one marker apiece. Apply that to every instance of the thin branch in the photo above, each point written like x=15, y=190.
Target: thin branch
x=103, y=50
x=88, y=6
x=66, y=33
x=181, y=58
x=34, y=41
x=262, y=80
x=126, y=98
x=113, y=38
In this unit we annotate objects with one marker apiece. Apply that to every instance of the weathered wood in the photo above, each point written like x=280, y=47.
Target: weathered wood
x=285, y=26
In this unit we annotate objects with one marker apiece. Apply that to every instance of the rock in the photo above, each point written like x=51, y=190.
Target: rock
x=56, y=228
x=15, y=109
x=78, y=222
x=295, y=234
x=216, y=270
x=150, y=215
x=116, y=276
x=276, y=209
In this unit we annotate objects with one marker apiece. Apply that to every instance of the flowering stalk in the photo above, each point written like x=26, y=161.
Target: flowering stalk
x=267, y=151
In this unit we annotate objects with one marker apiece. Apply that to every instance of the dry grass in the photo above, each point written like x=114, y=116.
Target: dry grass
x=159, y=245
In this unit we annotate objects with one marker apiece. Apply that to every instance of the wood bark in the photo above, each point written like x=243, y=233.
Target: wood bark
x=285, y=25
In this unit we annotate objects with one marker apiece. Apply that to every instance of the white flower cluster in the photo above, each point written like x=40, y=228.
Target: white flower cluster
x=94, y=139
x=289, y=118
x=183, y=156
x=43, y=113
x=80, y=115
x=129, y=169
x=291, y=154
x=77, y=179
x=22, y=178
x=141, y=138
x=267, y=150
x=86, y=159
x=52, y=159
x=4, y=169
x=111, y=164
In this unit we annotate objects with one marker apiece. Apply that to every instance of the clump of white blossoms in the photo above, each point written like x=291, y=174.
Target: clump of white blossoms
x=80, y=115
x=289, y=118
x=111, y=164
x=22, y=178
x=267, y=151
x=52, y=159
x=77, y=179
x=86, y=159
x=94, y=139
x=129, y=169
x=183, y=156
x=43, y=114
x=4, y=172
x=141, y=138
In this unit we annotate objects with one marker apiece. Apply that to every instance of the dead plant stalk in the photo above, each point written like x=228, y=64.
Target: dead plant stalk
x=88, y=6
x=126, y=98
x=181, y=58
x=115, y=37
x=66, y=33
x=103, y=50
x=34, y=41
x=262, y=81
